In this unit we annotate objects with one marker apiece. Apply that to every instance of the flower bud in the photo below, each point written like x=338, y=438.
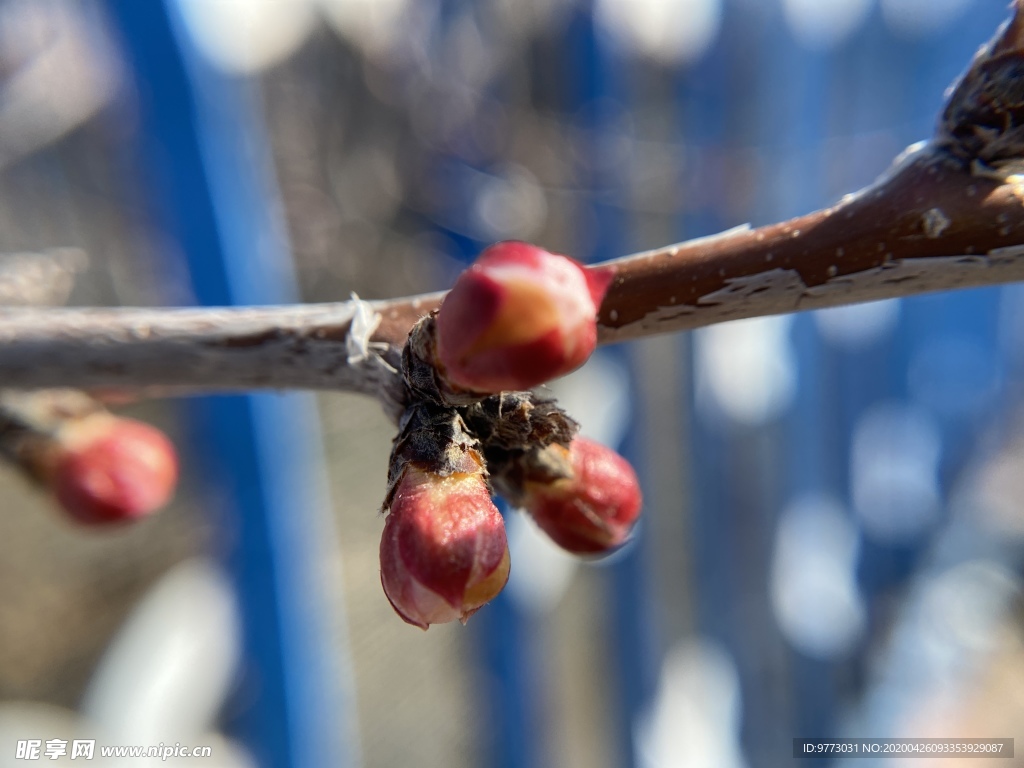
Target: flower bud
x=107, y=469
x=519, y=316
x=443, y=553
x=594, y=510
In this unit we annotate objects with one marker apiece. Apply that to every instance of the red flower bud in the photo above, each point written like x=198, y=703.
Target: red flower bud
x=443, y=553
x=519, y=316
x=594, y=510
x=108, y=469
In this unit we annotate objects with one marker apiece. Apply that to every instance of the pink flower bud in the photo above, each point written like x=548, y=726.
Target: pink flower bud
x=110, y=470
x=519, y=316
x=593, y=511
x=443, y=553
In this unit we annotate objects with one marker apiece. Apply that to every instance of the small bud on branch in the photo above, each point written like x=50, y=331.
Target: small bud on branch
x=443, y=551
x=113, y=470
x=518, y=317
x=594, y=509
x=101, y=468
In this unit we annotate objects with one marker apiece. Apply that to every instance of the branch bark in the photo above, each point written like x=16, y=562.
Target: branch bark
x=948, y=214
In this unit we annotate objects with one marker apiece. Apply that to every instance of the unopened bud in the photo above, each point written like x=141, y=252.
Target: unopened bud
x=108, y=469
x=519, y=316
x=593, y=510
x=443, y=553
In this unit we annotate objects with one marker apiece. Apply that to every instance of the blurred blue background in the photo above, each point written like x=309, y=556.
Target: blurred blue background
x=833, y=537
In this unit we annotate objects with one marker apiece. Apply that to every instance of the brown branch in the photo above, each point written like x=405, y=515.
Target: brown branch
x=928, y=226
x=948, y=214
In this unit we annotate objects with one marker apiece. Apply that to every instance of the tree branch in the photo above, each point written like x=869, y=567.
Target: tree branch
x=181, y=351
x=929, y=225
x=948, y=214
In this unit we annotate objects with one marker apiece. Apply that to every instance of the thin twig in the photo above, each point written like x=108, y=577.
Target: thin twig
x=948, y=214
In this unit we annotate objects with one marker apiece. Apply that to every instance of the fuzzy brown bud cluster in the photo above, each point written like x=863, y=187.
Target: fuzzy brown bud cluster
x=515, y=319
